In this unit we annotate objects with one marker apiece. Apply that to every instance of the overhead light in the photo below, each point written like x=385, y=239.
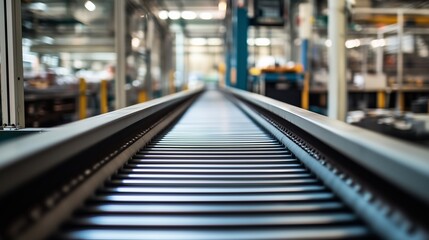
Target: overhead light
x=222, y=5
x=174, y=15
x=38, y=6
x=206, y=15
x=90, y=6
x=188, y=15
x=250, y=41
x=352, y=43
x=378, y=43
x=262, y=42
x=163, y=15
x=214, y=41
x=78, y=64
x=328, y=43
x=198, y=41
x=135, y=42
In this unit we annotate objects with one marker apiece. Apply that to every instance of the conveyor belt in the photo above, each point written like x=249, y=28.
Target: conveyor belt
x=215, y=174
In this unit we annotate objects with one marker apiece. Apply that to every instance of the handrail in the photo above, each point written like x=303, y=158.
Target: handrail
x=28, y=157
x=401, y=163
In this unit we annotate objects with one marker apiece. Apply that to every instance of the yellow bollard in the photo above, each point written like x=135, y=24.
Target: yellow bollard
x=381, y=99
x=401, y=100
x=142, y=97
x=82, y=99
x=305, y=95
x=103, y=97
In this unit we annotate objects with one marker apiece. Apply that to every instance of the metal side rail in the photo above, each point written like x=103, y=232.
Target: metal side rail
x=384, y=180
x=44, y=177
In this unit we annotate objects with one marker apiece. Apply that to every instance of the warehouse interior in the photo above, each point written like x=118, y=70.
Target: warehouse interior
x=230, y=107
x=163, y=47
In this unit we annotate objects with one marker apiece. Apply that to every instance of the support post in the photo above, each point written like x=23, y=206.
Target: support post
x=82, y=99
x=379, y=55
x=228, y=67
x=240, y=25
x=103, y=97
x=150, y=38
x=400, y=63
x=120, y=48
x=381, y=99
x=142, y=97
x=305, y=18
x=180, y=59
x=12, y=87
x=305, y=94
x=337, y=84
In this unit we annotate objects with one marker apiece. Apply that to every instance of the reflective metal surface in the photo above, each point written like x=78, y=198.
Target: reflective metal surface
x=214, y=175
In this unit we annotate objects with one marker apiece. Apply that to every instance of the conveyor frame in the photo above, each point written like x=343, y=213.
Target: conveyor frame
x=50, y=150
x=364, y=159
x=76, y=151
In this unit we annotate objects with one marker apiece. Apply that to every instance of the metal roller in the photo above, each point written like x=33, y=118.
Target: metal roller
x=215, y=174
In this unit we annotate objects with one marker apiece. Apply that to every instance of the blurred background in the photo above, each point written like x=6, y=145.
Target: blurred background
x=73, y=52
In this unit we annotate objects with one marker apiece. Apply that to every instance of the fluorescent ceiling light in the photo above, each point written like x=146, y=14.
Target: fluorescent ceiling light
x=189, y=15
x=174, y=15
x=352, y=43
x=163, y=15
x=214, y=41
x=90, y=6
x=222, y=5
x=206, y=15
x=198, y=41
x=328, y=43
x=135, y=43
x=262, y=42
x=38, y=6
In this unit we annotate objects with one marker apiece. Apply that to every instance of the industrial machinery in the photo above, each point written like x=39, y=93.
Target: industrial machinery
x=212, y=165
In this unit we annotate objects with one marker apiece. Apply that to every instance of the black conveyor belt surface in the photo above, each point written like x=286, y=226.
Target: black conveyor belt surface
x=214, y=175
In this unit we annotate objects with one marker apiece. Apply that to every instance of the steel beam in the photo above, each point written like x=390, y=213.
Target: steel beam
x=120, y=49
x=400, y=62
x=240, y=23
x=12, y=87
x=337, y=83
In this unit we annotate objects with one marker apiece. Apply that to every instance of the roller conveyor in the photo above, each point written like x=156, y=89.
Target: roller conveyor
x=217, y=172
x=175, y=189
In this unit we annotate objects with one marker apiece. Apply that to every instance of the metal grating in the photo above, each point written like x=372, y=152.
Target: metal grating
x=214, y=175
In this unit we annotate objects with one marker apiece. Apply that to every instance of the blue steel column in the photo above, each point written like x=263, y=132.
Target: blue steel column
x=304, y=54
x=240, y=24
x=228, y=67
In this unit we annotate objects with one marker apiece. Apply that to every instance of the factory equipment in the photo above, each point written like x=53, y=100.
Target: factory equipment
x=200, y=164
